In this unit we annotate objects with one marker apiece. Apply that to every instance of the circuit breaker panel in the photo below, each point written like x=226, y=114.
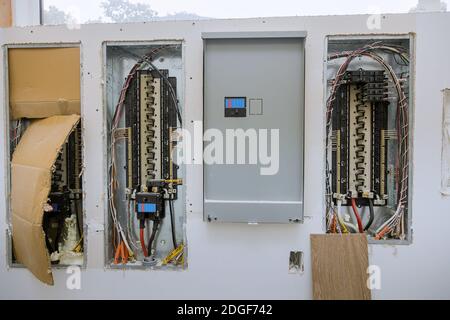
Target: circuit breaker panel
x=359, y=135
x=151, y=125
x=146, y=214
x=368, y=137
x=63, y=218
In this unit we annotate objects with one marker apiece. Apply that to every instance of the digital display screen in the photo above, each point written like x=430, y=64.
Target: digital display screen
x=235, y=107
x=235, y=103
x=146, y=207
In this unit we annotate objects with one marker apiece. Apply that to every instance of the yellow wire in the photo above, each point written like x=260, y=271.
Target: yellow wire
x=341, y=223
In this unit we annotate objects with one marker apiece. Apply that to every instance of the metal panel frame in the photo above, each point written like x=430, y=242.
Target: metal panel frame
x=182, y=197
x=301, y=36
x=254, y=35
x=412, y=44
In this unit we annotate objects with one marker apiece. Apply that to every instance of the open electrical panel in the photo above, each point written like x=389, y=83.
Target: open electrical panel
x=45, y=152
x=145, y=198
x=368, y=136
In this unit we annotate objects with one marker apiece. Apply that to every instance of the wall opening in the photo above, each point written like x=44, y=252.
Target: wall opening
x=146, y=211
x=45, y=151
x=368, y=136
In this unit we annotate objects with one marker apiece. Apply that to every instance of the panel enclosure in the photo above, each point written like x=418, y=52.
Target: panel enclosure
x=142, y=150
x=369, y=135
x=253, y=127
x=29, y=98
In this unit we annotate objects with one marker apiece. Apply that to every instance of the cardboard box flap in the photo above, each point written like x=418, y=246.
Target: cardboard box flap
x=31, y=171
x=30, y=249
x=37, y=182
x=44, y=81
x=33, y=110
x=41, y=142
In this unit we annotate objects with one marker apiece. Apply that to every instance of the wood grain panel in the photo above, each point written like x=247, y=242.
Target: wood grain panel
x=339, y=267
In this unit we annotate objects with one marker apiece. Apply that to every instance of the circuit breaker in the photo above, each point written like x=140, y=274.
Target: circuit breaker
x=65, y=198
x=253, y=127
x=359, y=136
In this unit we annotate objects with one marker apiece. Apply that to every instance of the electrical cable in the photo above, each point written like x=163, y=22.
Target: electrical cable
x=345, y=225
x=152, y=236
x=172, y=223
x=372, y=215
x=358, y=217
x=141, y=237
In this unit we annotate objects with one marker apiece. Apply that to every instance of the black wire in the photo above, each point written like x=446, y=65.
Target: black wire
x=79, y=215
x=152, y=237
x=372, y=215
x=404, y=64
x=172, y=223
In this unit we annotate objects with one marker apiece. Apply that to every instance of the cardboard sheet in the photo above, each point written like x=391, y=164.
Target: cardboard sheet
x=43, y=82
x=31, y=171
x=339, y=267
x=5, y=13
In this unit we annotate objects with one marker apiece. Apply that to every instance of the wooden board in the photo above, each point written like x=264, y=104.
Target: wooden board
x=339, y=267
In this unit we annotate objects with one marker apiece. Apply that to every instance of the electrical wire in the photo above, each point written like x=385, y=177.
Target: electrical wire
x=142, y=239
x=372, y=215
x=172, y=223
x=358, y=217
x=345, y=225
x=130, y=225
x=152, y=237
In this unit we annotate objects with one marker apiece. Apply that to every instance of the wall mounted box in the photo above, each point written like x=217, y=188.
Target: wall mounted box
x=255, y=82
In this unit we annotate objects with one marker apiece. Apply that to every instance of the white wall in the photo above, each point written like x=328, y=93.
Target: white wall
x=242, y=261
x=26, y=13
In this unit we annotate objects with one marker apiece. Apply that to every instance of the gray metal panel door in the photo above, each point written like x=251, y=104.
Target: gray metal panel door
x=269, y=74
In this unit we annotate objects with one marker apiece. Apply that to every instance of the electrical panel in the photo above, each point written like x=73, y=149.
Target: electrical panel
x=63, y=218
x=253, y=113
x=147, y=214
x=359, y=124
x=368, y=137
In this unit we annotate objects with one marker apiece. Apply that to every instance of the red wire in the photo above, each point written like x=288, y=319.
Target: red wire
x=358, y=218
x=141, y=236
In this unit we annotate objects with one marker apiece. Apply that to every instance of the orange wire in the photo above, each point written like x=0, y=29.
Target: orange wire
x=117, y=255
x=358, y=217
x=141, y=236
x=382, y=233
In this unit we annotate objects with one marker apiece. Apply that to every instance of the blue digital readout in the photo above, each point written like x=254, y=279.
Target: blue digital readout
x=146, y=207
x=235, y=103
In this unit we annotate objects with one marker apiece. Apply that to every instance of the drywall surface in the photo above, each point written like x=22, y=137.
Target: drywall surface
x=251, y=261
